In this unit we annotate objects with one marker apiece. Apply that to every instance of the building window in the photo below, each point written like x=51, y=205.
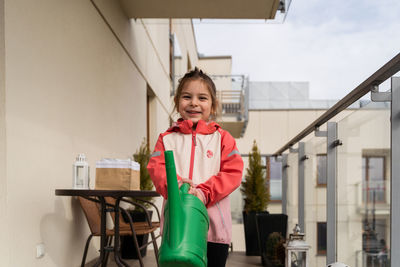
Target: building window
x=321, y=170
x=321, y=238
x=373, y=179
x=274, y=178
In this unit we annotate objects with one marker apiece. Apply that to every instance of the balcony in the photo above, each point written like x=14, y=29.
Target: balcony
x=373, y=198
x=233, y=100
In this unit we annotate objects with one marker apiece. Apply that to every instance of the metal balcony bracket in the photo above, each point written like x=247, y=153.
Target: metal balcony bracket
x=377, y=96
x=278, y=158
x=305, y=157
x=336, y=143
x=319, y=133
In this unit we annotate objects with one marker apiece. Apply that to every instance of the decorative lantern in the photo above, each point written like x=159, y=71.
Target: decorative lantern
x=81, y=173
x=296, y=249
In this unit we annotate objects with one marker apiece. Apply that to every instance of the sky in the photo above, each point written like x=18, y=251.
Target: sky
x=334, y=45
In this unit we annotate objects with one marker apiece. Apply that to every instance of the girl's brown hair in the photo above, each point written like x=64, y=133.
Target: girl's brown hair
x=197, y=74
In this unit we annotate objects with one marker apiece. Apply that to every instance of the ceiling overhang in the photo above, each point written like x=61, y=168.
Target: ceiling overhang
x=203, y=9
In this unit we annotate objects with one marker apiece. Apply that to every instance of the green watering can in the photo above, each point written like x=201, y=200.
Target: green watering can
x=184, y=240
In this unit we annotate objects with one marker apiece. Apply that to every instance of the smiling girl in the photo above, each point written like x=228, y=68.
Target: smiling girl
x=206, y=157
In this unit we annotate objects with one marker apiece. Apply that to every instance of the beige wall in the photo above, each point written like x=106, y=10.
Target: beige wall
x=187, y=44
x=218, y=66
x=64, y=92
x=77, y=77
x=272, y=129
x=4, y=238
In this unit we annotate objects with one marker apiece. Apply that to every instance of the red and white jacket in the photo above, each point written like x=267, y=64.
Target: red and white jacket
x=209, y=157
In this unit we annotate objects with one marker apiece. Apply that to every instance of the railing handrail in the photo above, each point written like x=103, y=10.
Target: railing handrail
x=381, y=75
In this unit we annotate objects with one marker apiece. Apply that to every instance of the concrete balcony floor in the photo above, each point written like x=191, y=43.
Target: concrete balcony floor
x=235, y=259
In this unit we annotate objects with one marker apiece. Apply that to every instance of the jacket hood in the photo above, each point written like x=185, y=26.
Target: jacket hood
x=185, y=127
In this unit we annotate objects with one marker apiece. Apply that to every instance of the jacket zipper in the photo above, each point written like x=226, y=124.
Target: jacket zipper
x=220, y=213
x=192, y=155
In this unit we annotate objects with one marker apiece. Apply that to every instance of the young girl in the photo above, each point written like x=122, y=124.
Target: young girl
x=206, y=157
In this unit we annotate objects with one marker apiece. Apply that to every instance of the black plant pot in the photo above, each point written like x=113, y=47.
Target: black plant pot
x=250, y=232
x=267, y=224
x=128, y=250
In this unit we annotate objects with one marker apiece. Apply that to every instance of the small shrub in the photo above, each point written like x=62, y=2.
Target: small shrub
x=142, y=156
x=275, y=251
x=254, y=188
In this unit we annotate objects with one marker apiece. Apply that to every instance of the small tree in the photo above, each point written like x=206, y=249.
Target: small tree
x=142, y=156
x=254, y=189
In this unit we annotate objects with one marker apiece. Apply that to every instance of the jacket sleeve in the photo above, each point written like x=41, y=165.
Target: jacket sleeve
x=230, y=175
x=156, y=168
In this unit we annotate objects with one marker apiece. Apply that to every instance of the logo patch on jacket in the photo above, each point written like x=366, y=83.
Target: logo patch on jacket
x=210, y=154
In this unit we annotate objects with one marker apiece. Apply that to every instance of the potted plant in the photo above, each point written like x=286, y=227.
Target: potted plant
x=272, y=230
x=256, y=199
x=274, y=250
x=142, y=156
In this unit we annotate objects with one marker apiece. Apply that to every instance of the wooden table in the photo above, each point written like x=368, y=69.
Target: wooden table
x=99, y=196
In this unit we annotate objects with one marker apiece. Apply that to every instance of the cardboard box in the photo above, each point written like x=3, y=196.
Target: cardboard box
x=117, y=174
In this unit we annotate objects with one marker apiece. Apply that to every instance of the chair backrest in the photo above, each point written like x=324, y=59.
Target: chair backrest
x=122, y=223
x=92, y=213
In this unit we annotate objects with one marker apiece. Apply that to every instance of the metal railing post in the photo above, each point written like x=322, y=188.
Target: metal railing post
x=331, y=188
x=302, y=158
x=395, y=174
x=284, y=182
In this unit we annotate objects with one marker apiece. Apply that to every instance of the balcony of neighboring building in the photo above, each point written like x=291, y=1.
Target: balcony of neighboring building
x=233, y=103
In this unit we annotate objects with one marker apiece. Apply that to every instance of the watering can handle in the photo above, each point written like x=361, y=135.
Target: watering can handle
x=185, y=188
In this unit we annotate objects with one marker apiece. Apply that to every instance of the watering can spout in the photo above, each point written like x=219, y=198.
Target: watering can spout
x=184, y=238
x=174, y=201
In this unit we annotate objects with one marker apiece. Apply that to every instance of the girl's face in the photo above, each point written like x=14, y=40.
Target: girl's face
x=195, y=102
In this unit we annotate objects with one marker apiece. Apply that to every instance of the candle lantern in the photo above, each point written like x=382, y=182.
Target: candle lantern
x=81, y=173
x=296, y=249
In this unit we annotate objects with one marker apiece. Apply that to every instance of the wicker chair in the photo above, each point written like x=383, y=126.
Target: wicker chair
x=93, y=216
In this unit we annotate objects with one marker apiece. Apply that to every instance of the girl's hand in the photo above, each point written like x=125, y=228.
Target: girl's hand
x=185, y=180
x=193, y=190
x=197, y=192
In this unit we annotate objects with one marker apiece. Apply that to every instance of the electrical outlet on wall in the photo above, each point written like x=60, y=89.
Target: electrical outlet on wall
x=40, y=250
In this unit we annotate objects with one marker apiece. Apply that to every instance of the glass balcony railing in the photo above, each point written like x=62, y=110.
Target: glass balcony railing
x=363, y=199
x=342, y=177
